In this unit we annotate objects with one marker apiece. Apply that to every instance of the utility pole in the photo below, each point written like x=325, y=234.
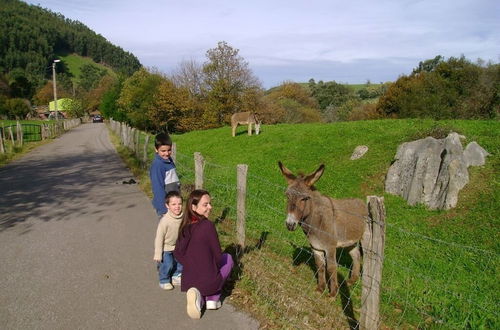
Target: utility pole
x=55, y=87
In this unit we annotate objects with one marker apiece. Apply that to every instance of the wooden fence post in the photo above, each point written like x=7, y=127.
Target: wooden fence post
x=174, y=152
x=198, y=168
x=2, y=148
x=19, y=134
x=12, y=137
x=242, y=170
x=373, y=259
x=145, y=151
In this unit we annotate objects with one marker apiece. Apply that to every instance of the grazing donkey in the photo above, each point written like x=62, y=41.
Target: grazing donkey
x=328, y=224
x=245, y=118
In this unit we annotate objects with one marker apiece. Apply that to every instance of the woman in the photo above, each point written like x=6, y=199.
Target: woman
x=205, y=267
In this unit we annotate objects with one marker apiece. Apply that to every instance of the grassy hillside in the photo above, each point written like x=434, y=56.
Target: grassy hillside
x=440, y=268
x=74, y=63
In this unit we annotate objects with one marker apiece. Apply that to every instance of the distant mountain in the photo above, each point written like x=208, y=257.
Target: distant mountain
x=31, y=37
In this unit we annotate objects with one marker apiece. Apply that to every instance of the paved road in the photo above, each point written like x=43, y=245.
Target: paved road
x=76, y=245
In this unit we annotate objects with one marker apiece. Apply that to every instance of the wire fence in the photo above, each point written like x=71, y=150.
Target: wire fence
x=427, y=282
x=15, y=135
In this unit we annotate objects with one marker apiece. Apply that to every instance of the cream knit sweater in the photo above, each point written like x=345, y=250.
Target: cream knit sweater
x=166, y=234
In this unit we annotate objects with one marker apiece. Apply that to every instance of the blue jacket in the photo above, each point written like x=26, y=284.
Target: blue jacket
x=163, y=176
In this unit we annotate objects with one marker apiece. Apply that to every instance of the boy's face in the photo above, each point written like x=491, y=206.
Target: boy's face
x=174, y=205
x=164, y=151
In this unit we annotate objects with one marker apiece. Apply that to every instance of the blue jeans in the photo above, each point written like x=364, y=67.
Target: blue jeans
x=168, y=267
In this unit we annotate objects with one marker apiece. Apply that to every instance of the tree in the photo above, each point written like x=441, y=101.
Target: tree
x=190, y=76
x=226, y=78
x=109, y=101
x=90, y=76
x=444, y=89
x=137, y=97
x=170, y=104
x=18, y=108
x=294, y=103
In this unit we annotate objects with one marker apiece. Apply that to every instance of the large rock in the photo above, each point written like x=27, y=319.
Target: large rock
x=475, y=155
x=429, y=171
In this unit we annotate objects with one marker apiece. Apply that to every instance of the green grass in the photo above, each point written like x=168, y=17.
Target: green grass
x=441, y=267
x=74, y=63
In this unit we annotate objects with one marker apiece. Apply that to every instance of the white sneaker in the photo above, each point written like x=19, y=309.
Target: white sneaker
x=193, y=298
x=176, y=280
x=213, y=304
x=166, y=286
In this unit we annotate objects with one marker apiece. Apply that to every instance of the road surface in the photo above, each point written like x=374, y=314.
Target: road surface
x=76, y=245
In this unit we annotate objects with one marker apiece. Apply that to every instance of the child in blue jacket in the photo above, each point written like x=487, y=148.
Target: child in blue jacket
x=162, y=173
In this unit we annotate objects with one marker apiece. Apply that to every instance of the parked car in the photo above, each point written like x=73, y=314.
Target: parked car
x=97, y=119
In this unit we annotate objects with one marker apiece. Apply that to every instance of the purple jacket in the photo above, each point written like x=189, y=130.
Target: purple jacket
x=198, y=250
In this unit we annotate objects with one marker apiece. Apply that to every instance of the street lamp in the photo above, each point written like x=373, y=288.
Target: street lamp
x=54, y=84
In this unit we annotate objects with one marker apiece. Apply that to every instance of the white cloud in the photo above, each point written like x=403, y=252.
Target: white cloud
x=297, y=38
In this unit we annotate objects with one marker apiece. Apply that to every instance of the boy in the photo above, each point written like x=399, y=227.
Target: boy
x=162, y=173
x=169, y=270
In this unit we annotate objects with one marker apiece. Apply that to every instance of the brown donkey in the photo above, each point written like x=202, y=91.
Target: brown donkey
x=245, y=118
x=328, y=224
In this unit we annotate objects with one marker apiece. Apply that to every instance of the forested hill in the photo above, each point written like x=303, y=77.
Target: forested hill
x=31, y=37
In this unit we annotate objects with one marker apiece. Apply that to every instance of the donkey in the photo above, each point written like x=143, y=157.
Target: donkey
x=245, y=118
x=328, y=224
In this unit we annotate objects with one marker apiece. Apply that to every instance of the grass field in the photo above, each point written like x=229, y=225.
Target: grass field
x=440, y=269
x=75, y=62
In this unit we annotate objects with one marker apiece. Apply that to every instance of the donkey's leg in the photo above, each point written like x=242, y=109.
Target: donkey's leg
x=331, y=267
x=319, y=259
x=356, y=264
x=249, y=128
x=233, y=128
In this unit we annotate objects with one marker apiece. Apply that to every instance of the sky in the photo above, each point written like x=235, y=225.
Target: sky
x=349, y=41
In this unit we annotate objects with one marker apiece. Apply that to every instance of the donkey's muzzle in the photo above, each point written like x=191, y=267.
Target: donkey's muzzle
x=291, y=222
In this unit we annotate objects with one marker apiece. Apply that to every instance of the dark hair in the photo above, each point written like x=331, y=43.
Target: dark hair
x=162, y=139
x=170, y=194
x=193, y=199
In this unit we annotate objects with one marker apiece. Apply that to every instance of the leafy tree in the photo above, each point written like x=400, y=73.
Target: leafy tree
x=75, y=108
x=451, y=89
x=45, y=94
x=109, y=101
x=90, y=76
x=329, y=93
x=170, y=104
x=226, y=78
x=18, y=108
x=137, y=97
x=294, y=103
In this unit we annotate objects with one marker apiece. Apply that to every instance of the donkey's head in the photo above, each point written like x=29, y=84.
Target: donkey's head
x=299, y=193
x=257, y=127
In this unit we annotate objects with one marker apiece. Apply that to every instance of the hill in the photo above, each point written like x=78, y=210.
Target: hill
x=32, y=37
x=440, y=266
x=75, y=62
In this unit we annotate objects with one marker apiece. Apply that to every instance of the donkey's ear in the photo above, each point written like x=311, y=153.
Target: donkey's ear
x=286, y=173
x=313, y=177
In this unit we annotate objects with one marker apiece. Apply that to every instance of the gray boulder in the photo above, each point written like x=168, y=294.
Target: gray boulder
x=429, y=171
x=359, y=152
x=475, y=155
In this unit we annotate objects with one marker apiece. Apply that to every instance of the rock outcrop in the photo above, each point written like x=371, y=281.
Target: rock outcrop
x=432, y=171
x=359, y=152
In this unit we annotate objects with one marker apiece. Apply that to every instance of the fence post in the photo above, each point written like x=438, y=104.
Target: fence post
x=242, y=170
x=2, y=148
x=174, y=152
x=373, y=259
x=19, y=134
x=198, y=167
x=11, y=137
x=145, y=151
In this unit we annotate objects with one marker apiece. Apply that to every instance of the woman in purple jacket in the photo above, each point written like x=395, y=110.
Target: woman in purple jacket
x=198, y=249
